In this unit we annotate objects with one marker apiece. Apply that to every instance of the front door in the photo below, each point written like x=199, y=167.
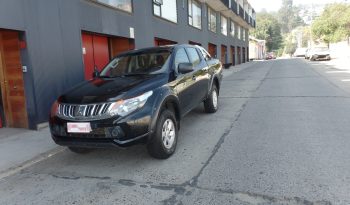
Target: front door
x=12, y=85
x=183, y=85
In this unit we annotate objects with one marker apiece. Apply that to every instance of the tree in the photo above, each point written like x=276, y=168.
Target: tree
x=334, y=23
x=288, y=16
x=268, y=29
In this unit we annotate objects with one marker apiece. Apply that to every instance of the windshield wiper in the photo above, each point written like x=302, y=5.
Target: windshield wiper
x=104, y=76
x=134, y=74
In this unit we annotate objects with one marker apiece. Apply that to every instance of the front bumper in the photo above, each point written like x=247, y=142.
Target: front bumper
x=321, y=57
x=105, y=133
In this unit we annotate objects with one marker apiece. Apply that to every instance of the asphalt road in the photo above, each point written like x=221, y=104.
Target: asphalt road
x=281, y=136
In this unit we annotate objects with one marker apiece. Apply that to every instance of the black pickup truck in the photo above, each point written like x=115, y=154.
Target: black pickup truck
x=140, y=96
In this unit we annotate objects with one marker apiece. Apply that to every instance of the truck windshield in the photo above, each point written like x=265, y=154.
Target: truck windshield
x=146, y=62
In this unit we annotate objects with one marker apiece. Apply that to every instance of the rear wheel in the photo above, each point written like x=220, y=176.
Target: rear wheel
x=211, y=104
x=162, y=143
x=79, y=150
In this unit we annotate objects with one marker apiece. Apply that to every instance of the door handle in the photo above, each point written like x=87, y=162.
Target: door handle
x=194, y=77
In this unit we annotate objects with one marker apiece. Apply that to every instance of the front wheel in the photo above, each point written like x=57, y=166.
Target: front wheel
x=162, y=143
x=211, y=104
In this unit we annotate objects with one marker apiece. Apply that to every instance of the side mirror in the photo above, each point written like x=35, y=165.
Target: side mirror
x=95, y=74
x=184, y=68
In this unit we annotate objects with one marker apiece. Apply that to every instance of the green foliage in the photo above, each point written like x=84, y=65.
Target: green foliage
x=268, y=28
x=306, y=36
x=334, y=23
x=288, y=16
x=290, y=48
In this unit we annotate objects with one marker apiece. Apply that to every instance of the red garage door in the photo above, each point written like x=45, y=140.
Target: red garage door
x=95, y=52
x=163, y=42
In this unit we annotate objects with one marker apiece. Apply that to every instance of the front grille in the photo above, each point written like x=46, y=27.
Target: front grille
x=83, y=112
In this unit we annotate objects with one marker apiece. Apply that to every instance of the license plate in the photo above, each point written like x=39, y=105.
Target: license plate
x=78, y=127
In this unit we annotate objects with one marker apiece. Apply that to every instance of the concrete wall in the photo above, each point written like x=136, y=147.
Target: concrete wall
x=52, y=30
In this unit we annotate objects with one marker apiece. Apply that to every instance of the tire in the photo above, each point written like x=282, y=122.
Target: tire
x=80, y=150
x=211, y=104
x=162, y=142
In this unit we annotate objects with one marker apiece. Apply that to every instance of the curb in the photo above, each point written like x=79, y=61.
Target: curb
x=234, y=69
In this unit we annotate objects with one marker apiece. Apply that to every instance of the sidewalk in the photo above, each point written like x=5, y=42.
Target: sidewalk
x=339, y=63
x=20, y=147
x=234, y=69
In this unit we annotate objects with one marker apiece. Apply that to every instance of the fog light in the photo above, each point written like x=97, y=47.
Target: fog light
x=117, y=132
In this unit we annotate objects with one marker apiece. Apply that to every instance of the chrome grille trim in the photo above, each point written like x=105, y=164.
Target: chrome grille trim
x=83, y=111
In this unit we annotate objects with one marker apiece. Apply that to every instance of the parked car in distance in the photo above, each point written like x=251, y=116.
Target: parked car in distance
x=300, y=52
x=319, y=53
x=140, y=96
x=270, y=55
x=307, y=53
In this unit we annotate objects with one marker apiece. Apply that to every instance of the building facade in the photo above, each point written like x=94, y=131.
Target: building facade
x=48, y=46
x=257, y=48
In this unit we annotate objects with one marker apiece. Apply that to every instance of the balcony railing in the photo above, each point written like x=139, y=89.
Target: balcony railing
x=241, y=12
x=254, y=24
x=238, y=10
x=246, y=17
x=226, y=2
x=234, y=7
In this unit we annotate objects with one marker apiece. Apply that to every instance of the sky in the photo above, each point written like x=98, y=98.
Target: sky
x=274, y=5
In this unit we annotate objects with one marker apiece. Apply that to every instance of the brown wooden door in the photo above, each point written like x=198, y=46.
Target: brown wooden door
x=239, y=55
x=233, y=55
x=11, y=76
x=212, y=50
x=223, y=54
x=118, y=45
x=244, y=54
x=163, y=42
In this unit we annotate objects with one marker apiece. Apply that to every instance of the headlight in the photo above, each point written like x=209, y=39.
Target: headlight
x=125, y=107
x=54, y=108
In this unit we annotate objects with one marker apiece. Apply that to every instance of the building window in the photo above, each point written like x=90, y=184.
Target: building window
x=125, y=5
x=232, y=31
x=244, y=37
x=224, y=25
x=239, y=32
x=165, y=9
x=194, y=14
x=211, y=20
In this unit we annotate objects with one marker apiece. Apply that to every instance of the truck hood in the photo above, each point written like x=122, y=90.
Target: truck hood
x=100, y=90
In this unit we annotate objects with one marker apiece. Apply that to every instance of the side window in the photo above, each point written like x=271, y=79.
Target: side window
x=181, y=57
x=205, y=54
x=194, y=57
